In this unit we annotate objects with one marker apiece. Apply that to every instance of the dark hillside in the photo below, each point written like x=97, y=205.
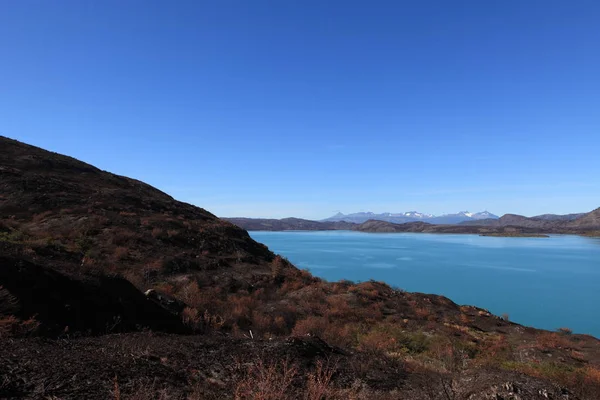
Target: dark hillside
x=86, y=220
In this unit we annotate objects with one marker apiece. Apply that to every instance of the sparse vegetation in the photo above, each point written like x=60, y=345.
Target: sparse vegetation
x=340, y=339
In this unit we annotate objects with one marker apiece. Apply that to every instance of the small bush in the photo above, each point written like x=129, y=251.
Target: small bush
x=318, y=383
x=266, y=381
x=565, y=331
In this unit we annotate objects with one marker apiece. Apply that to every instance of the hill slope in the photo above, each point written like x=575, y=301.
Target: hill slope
x=114, y=223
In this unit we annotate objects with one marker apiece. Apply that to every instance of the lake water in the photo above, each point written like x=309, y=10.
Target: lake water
x=542, y=282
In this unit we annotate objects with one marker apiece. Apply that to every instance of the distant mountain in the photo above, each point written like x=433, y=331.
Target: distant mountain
x=507, y=225
x=289, y=224
x=411, y=216
x=547, y=222
x=557, y=217
x=461, y=217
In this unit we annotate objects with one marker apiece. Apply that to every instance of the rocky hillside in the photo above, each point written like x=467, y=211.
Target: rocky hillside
x=78, y=246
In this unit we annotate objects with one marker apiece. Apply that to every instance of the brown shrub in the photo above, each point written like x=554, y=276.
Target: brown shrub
x=592, y=376
x=550, y=340
x=266, y=381
x=318, y=382
x=339, y=307
x=495, y=351
x=378, y=341
x=422, y=312
x=10, y=326
x=313, y=325
x=191, y=317
x=157, y=232
x=121, y=253
x=565, y=331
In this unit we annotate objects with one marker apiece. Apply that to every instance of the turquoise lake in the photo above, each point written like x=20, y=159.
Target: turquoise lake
x=542, y=282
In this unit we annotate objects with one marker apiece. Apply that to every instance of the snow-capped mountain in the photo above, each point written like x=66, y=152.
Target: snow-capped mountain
x=412, y=216
x=417, y=215
x=484, y=215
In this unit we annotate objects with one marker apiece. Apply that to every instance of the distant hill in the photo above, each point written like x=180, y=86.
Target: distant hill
x=587, y=223
x=590, y=220
x=558, y=217
x=289, y=224
x=411, y=216
x=546, y=223
x=424, y=227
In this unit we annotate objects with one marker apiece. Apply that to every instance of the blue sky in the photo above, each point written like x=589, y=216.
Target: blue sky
x=306, y=108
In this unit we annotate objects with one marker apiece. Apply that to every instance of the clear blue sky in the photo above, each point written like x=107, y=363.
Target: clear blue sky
x=303, y=108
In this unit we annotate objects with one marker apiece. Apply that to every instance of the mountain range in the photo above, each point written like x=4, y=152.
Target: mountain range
x=507, y=225
x=411, y=216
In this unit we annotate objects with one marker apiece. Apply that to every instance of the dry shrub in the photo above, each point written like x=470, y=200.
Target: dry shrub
x=190, y=294
x=41, y=216
x=191, y=317
x=165, y=288
x=121, y=253
x=422, y=312
x=495, y=351
x=339, y=307
x=266, y=381
x=241, y=305
x=448, y=355
x=378, y=341
x=10, y=326
x=262, y=323
x=8, y=302
x=290, y=285
x=172, y=233
x=277, y=266
x=464, y=319
x=313, y=325
x=593, y=375
x=577, y=355
x=157, y=232
x=549, y=340
x=212, y=321
x=565, y=331
x=318, y=382
x=7, y=325
x=121, y=237
x=201, y=322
